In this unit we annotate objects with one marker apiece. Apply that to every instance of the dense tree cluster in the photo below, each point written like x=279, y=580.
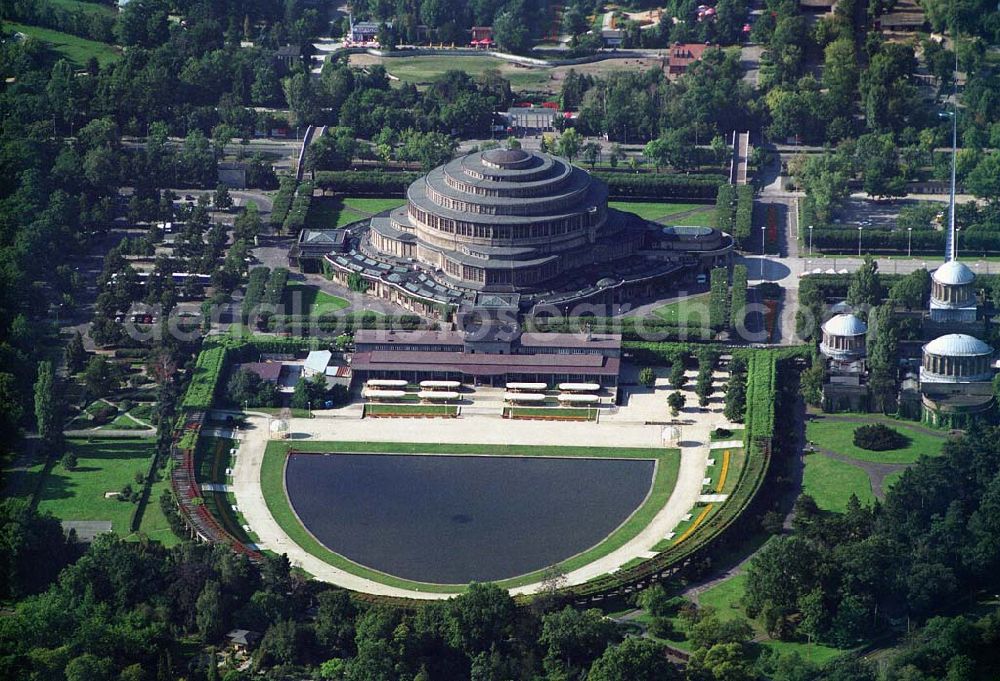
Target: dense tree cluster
x=841, y=578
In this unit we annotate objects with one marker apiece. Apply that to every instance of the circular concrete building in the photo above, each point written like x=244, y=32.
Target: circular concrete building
x=956, y=379
x=953, y=294
x=844, y=338
x=501, y=217
x=526, y=225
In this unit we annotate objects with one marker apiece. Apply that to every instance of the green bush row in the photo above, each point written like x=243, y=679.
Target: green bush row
x=738, y=298
x=256, y=283
x=845, y=240
x=296, y=218
x=274, y=289
x=661, y=186
x=366, y=181
x=204, y=382
x=718, y=299
x=282, y=201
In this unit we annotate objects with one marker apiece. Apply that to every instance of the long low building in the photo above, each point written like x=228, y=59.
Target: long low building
x=488, y=359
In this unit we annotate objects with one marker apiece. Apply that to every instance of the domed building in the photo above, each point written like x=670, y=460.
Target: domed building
x=521, y=223
x=845, y=386
x=844, y=338
x=953, y=296
x=956, y=374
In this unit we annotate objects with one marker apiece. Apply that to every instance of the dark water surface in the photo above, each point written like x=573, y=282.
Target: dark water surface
x=455, y=519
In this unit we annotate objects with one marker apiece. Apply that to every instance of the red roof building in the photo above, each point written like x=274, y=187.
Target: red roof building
x=682, y=55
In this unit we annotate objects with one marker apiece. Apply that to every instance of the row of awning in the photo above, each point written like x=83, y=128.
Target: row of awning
x=534, y=398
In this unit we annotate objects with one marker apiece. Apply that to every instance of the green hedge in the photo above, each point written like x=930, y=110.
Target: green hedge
x=761, y=384
x=204, y=383
x=274, y=289
x=366, y=181
x=661, y=186
x=718, y=297
x=930, y=242
x=256, y=283
x=738, y=298
x=734, y=212
x=296, y=218
x=282, y=201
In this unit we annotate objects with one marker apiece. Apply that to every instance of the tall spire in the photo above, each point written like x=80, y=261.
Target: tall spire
x=951, y=240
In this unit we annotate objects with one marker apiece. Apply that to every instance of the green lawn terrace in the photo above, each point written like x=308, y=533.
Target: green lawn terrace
x=73, y=48
x=331, y=212
x=724, y=600
x=310, y=301
x=90, y=492
x=835, y=468
x=668, y=213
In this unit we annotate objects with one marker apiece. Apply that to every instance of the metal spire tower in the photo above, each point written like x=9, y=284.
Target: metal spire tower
x=951, y=238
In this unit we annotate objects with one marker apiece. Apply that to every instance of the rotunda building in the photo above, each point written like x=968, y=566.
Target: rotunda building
x=844, y=338
x=956, y=358
x=953, y=294
x=504, y=217
x=956, y=374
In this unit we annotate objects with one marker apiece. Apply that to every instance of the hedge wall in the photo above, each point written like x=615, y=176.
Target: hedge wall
x=282, y=201
x=296, y=218
x=256, y=283
x=930, y=242
x=738, y=298
x=660, y=186
x=366, y=181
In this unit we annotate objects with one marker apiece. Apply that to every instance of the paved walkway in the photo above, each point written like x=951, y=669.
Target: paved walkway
x=695, y=423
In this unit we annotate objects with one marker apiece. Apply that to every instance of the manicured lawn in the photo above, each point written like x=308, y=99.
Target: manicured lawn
x=154, y=524
x=73, y=48
x=724, y=598
x=734, y=434
x=273, y=487
x=692, y=311
x=832, y=482
x=103, y=466
x=329, y=212
x=123, y=422
x=661, y=211
x=554, y=412
x=410, y=409
x=839, y=437
x=426, y=69
x=891, y=480
x=310, y=301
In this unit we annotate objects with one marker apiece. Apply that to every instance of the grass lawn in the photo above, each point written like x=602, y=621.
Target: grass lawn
x=831, y=483
x=692, y=311
x=839, y=437
x=669, y=213
x=724, y=598
x=273, y=486
x=329, y=211
x=891, y=479
x=424, y=70
x=734, y=434
x=123, y=422
x=310, y=300
x=104, y=465
x=73, y=48
x=154, y=524
x=411, y=409
x=554, y=412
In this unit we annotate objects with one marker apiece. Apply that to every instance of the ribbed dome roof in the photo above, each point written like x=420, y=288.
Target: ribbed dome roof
x=954, y=273
x=505, y=157
x=957, y=345
x=845, y=325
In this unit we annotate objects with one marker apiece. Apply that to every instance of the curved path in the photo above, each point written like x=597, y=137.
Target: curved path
x=481, y=430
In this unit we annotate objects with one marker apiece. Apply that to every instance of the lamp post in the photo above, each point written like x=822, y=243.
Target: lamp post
x=909, y=241
x=810, y=241
x=859, y=240
x=310, y=405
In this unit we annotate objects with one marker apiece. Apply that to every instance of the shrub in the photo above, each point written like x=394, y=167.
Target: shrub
x=103, y=414
x=647, y=377
x=69, y=461
x=723, y=433
x=879, y=437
